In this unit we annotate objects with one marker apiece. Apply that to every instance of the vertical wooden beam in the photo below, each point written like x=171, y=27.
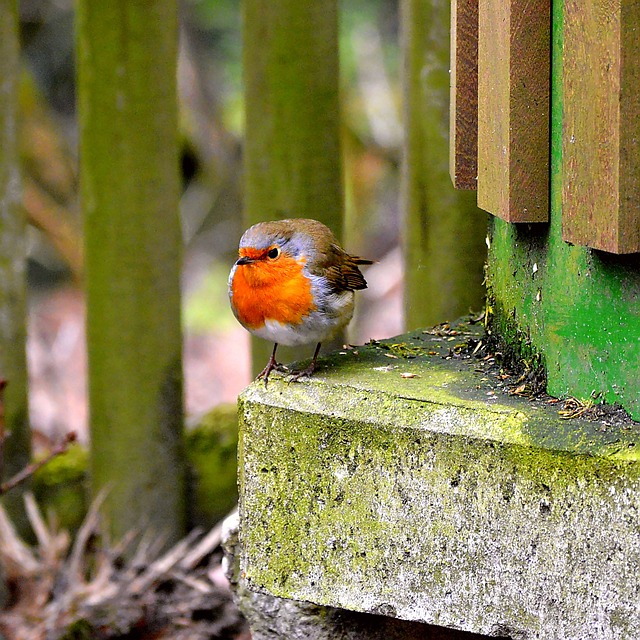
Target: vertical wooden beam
x=292, y=111
x=463, y=99
x=443, y=230
x=601, y=136
x=292, y=158
x=13, y=331
x=513, y=108
x=130, y=190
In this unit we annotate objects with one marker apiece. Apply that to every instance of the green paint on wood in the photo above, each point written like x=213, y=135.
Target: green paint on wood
x=13, y=365
x=444, y=231
x=127, y=54
x=292, y=133
x=579, y=307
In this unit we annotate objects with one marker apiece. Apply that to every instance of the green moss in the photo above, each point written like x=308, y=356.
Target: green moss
x=438, y=495
x=403, y=349
x=61, y=486
x=79, y=630
x=212, y=455
x=71, y=466
x=514, y=344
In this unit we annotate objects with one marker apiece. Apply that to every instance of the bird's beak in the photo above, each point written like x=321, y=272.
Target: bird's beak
x=244, y=260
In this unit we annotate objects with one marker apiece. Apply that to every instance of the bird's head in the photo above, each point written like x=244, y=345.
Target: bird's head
x=271, y=252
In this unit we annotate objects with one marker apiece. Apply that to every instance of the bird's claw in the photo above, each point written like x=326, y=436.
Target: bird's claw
x=294, y=376
x=272, y=366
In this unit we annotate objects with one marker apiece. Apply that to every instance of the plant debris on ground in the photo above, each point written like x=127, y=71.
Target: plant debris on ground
x=522, y=377
x=525, y=378
x=89, y=588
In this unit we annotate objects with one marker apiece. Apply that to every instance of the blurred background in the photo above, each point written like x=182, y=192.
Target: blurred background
x=216, y=348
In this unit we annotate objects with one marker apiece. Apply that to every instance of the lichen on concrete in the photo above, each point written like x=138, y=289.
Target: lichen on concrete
x=425, y=498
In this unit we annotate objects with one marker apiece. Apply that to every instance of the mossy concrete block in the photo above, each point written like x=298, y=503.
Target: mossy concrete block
x=436, y=498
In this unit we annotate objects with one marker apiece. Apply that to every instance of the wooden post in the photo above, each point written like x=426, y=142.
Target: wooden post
x=463, y=99
x=514, y=59
x=13, y=366
x=292, y=135
x=601, y=136
x=444, y=231
x=130, y=187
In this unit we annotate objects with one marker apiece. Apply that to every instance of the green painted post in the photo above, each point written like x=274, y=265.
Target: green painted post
x=444, y=231
x=292, y=132
x=578, y=308
x=130, y=185
x=13, y=366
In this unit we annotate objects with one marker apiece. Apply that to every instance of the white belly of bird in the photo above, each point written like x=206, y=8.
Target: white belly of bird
x=316, y=327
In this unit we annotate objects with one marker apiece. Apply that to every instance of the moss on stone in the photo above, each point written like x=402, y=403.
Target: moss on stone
x=437, y=496
x=211, y=445
x=212, y=455
x=61, y=486
x=516, y=347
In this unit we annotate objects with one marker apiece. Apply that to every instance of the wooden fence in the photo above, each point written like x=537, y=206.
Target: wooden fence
x=127, y=105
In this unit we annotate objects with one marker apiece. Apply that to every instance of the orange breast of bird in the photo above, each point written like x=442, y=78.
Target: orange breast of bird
x=271, y=290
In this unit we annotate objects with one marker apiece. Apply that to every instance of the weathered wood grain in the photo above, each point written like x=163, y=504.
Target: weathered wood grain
x=130, y=195
x=16, y=450
x=601, y=132
x=463, y=103
x=513, y=108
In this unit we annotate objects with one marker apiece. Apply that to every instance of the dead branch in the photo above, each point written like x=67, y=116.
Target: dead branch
x=30, y=469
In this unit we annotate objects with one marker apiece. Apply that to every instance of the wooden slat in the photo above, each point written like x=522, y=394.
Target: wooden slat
x=601, y=130
x=513, y=108
x=463, y=121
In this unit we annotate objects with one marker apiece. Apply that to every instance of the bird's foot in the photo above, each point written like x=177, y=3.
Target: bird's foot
x=271, y=366
x=294, y=376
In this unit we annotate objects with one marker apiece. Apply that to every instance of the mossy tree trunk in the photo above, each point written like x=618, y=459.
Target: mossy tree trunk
x=13, y=365
x=130, y=195
x=292, y=144
x=444, y=231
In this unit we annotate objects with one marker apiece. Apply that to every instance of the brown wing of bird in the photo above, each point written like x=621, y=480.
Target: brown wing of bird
x=344, y=274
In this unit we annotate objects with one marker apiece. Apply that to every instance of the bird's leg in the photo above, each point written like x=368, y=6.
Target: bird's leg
x=306, y=373
x=271, y=365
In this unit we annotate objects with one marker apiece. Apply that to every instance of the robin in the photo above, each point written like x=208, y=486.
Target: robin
x=293, y=284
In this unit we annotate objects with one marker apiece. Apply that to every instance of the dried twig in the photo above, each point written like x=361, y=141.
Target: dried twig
x=16, y=557
x=203, y=548
x=89, y=527
x=164, y=564
x=30, y=469
x=171, y=595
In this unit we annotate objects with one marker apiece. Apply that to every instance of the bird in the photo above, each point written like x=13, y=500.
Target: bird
x=293, y=284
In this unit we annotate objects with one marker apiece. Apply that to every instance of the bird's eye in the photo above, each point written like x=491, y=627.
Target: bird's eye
x=273, y=253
